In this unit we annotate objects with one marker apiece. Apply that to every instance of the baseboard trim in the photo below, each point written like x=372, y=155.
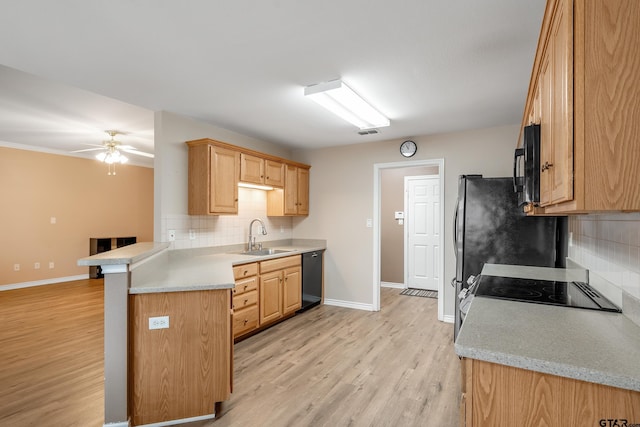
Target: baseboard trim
x=120, y=424
x=448, y=318
x=393, y=285
x=174, y=422
x=348, y=304
x=42, y=282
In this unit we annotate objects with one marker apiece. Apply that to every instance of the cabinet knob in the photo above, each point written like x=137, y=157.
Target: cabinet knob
x=246, y=321
x=546, y=166
x=246, y=301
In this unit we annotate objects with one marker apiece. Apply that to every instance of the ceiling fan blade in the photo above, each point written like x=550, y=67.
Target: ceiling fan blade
x=87, y=149
x=139, y=153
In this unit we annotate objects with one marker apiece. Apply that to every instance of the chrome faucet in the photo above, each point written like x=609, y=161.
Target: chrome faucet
x=252, y=238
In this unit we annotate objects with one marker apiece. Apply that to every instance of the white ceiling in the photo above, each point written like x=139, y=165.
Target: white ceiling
x=431, y=66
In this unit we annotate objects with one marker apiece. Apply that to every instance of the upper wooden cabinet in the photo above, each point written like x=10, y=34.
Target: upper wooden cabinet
x=215, y=168
x=294, y=198
x=251, y=169
x=213, y=180
x=256, y=170
x=585, y=94
x=274, y=173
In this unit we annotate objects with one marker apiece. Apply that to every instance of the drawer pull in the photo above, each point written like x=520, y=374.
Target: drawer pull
x=246, y=301
x=246, y=321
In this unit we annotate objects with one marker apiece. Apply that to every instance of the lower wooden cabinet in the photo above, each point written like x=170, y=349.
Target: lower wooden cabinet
x=245, y=299
x=496, y=395
x=181, y=371
x=280, y=288
x=266, y=292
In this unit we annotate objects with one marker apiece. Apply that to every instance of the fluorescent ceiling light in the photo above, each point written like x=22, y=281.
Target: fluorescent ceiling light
x=338, y=98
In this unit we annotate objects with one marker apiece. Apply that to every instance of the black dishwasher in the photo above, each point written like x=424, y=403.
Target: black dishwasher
x=311, y=279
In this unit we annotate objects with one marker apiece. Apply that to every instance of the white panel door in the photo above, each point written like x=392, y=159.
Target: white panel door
x=422, y=232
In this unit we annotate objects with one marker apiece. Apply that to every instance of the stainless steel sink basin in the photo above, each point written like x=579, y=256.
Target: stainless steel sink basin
x=267, y=251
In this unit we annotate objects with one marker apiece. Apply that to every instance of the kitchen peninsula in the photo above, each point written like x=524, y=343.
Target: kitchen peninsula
x=168, y=328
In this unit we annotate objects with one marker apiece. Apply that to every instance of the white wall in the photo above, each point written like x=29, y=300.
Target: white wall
x=341, y=186
x=171, y=180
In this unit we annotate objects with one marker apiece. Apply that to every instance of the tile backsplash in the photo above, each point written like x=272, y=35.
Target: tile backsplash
x=225, y=230
x=609, y=246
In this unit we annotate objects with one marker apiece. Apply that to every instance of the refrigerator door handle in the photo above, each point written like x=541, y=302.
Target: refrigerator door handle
x=455, y=229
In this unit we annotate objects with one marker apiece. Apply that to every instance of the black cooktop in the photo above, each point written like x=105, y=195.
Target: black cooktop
x=569, y=294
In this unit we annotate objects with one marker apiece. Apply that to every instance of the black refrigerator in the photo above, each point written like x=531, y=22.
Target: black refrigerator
x=490, y=227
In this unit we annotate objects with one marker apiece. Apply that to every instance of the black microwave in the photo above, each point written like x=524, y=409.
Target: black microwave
x=526, y=167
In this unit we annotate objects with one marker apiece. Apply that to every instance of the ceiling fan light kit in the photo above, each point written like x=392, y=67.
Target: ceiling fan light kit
x=111, y=153
x=342, y=101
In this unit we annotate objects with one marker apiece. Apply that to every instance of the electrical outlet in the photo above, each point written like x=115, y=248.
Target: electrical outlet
x=172, y=235
x=36, y=265
x=51, y=264
x=16, y=267
x=53, y=220
x=160, y=322
x=192, y=234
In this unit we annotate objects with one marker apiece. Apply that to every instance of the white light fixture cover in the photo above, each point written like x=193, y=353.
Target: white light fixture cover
x=338, y=98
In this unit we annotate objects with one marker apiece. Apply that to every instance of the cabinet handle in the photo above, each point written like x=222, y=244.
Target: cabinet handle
x=246, y=301
x=246, y=321
x=546, y=166
x=245, y=287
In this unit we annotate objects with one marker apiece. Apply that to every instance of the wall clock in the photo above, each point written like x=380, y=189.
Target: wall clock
x=408, y=148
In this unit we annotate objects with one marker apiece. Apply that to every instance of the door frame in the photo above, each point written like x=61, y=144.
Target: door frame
x=404, y=231
x=377, y=168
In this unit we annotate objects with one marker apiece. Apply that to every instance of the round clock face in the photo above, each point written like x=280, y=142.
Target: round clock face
x=408, y=148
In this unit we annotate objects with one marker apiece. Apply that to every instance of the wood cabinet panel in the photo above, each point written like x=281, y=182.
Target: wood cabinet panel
x=213, y=180
x=274, y=173
x=245, y=270
x=612, y=84
x=181, y=371
x=270, y=297
x=245, y=320
x=280, y=263
x=251, y=169
x=499, y=395
x=293, y=199
x=292, y=290
x=224, y=181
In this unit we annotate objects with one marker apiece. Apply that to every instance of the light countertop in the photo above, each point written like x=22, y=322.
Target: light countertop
x=154, y=268
x=595, y=346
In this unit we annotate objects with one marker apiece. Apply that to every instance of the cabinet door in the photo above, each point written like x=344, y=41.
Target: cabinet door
x=556, y=80
x=251, y=169
x=303, y=191
x=292, y=290
x=223, y=191
x=274, y=173
x=270, y=297
x=562, y=39
x=291, y=190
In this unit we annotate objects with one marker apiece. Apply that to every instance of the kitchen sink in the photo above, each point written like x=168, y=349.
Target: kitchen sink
x=267, y=251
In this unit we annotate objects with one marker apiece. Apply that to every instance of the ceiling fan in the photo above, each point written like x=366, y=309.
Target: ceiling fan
x=111, y=151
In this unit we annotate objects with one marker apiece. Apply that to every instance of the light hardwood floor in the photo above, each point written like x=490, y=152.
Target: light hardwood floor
x=329, y=366
x=52, y=355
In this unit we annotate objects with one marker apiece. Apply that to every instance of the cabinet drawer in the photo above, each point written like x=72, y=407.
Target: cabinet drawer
x=246, y=285
x=245, y=299
x=245, y=320
x=245, y=270
x=280, y=263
